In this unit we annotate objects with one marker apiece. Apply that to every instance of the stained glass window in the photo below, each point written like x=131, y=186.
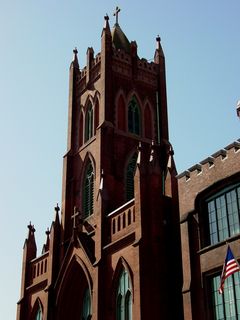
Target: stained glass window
x=38, y=314
x=134, y=117
x=124, y=298
x=86, y=307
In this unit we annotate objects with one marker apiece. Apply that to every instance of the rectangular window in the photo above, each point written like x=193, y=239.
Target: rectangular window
x=224, y=214
x=226, y=306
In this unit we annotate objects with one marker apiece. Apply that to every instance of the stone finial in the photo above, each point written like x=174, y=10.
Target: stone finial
x=31, y=227
x=139, y=153
x=158, y=39
x=106, y=27
x=57, y=209
x=159, y=55
x=75, y=58
x=47, y=232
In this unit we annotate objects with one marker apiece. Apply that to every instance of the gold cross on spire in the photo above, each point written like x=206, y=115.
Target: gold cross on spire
x=116, y=12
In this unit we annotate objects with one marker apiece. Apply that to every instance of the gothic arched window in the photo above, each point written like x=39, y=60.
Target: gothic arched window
x=88, y=184
x=130, y=177
x=124, y=297
x=89, y=122
x=134, y=116
x=86, y=306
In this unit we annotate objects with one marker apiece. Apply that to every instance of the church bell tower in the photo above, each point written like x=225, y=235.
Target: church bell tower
x=113, y=250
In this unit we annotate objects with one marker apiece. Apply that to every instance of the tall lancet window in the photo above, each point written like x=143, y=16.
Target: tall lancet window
x=124, y=298
x=134, y=117
x=86, y=307
x=88, y=184
x=130, y=177
x=89, y=122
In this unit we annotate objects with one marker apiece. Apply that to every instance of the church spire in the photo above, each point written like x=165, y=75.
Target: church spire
x=106, y=28
x=159, y=51
x=119, y=39
x=30, y=244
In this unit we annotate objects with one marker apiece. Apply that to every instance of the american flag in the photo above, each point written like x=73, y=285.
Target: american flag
x=230, y=266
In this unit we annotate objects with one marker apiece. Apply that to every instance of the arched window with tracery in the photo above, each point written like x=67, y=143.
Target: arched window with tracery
x=121, y=114
x=134, y=117
x=89, y=122
x=124, y=297
x=86, y=306
x=88, y=190
x=148, y=122
x=131, y=167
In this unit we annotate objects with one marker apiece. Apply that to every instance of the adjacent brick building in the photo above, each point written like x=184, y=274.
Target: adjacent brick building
x=118, y=249
x=209, y=201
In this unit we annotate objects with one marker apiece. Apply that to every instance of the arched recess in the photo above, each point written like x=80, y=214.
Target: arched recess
x=37, y=312
x=148, y=122
x=121, y=112
x=88, y=185
x=123, y=291
x=72, y=301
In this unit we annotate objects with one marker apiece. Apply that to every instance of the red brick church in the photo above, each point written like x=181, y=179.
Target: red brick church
x=114, y=250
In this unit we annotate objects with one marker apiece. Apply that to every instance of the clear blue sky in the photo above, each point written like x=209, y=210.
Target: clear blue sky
x=201, y=41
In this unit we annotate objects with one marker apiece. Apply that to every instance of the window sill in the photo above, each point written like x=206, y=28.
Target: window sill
x=219, y=244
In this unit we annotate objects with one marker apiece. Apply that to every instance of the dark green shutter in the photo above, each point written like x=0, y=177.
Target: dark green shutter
x=130, y=177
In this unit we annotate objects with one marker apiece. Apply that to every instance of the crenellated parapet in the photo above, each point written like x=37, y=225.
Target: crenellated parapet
x=89, y=73
x=208, y=163
x=221, y=164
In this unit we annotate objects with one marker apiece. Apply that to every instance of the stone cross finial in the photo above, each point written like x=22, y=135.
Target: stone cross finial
x=116, y=12
x=74, y=217
x=57, y=209
x=31, y=227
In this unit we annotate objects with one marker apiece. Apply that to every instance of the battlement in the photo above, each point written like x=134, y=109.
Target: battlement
x=147, y=66
x=203, y=167
x=121, y=55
